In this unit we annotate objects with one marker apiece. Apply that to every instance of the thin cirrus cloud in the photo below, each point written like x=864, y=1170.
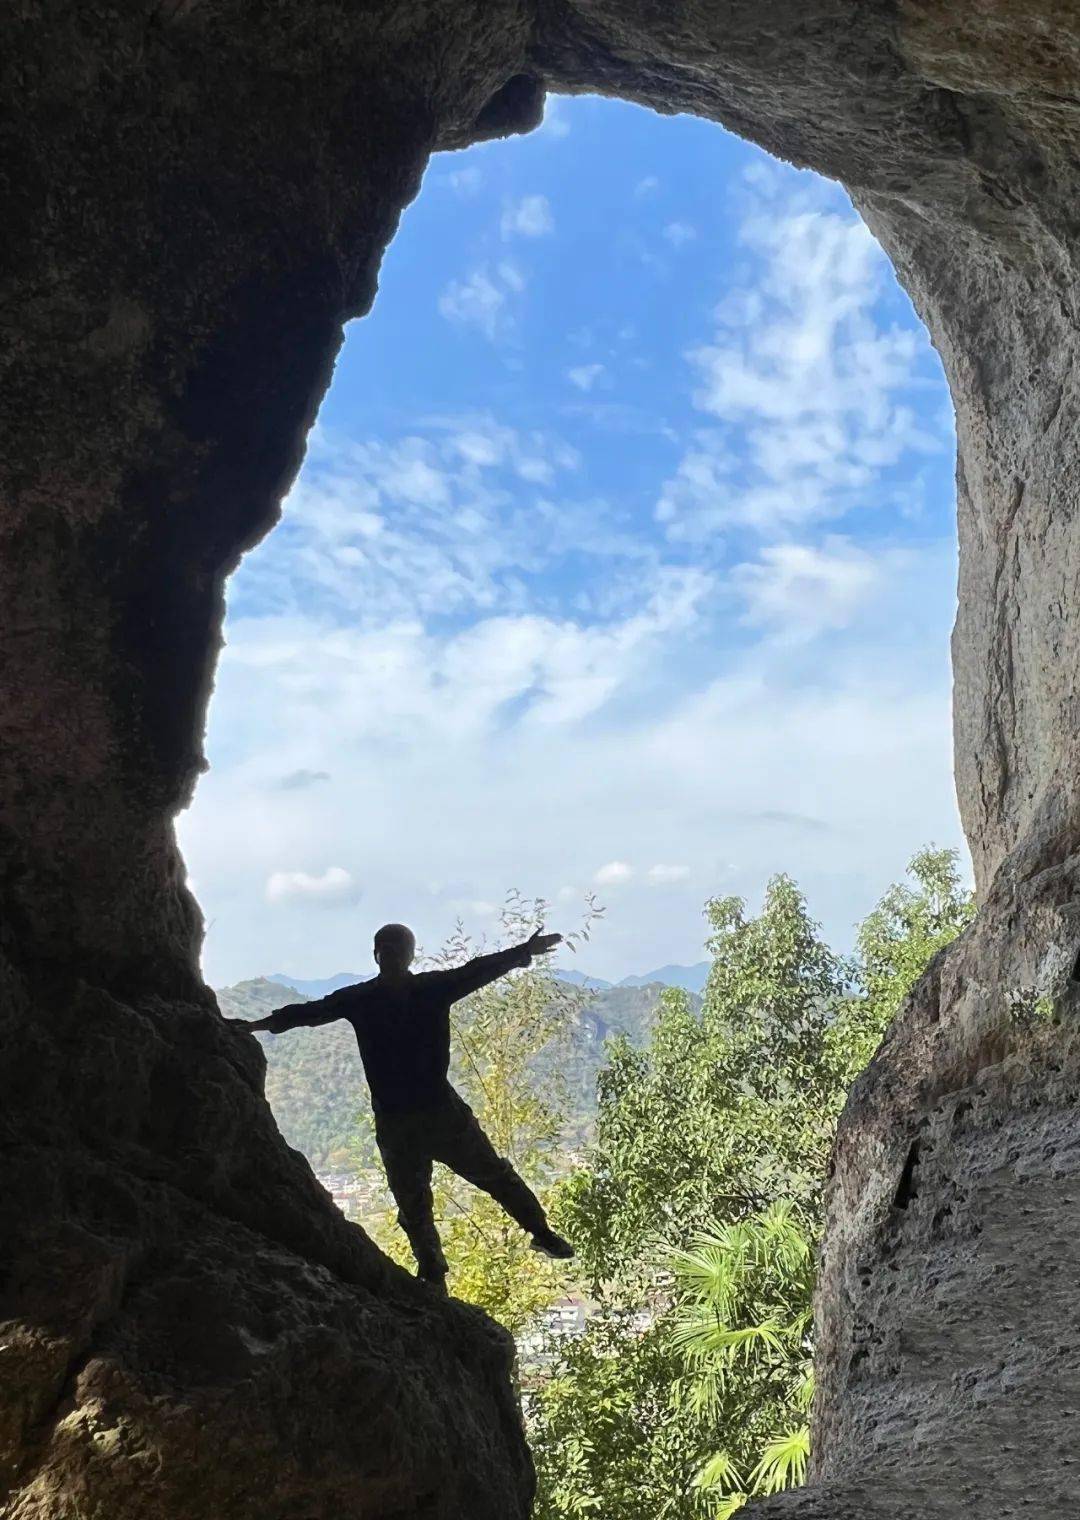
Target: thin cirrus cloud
x=803, y=589
x=483, y=299
x=556, y=119
x=476, y=301
x=614, y=874
x=528, y=217
x=300, y=779
x=810, y=393
x=466, y=182
x=584, y=376
x=678, y=234
x=334, y=888
x=666, y=876
x=404, y=683
x=454, y=520
x=439, y=787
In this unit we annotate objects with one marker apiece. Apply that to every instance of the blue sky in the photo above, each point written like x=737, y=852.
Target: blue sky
x=622, y=560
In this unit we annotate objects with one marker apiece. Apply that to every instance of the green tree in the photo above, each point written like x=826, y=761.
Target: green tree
x=698, y=1213
x=742, y=1323
x=607, y=1434
x=500, y=1035
x=627, y=1423
x=727, y=1109
x=899, y=937
x=725, y=1116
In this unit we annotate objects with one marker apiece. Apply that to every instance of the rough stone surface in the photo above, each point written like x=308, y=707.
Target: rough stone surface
x=191, y=1327
x=196, y=195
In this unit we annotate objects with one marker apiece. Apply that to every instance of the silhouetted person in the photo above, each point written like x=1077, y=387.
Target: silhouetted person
x=402, y=1025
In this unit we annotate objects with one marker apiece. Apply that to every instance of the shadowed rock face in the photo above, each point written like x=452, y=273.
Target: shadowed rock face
x=197, y=196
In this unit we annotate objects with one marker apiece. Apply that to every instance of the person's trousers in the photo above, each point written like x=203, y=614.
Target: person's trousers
x=410, y=1142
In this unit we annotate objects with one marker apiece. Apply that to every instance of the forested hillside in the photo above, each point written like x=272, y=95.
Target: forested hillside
x=314, y=1080
x=315, y=1083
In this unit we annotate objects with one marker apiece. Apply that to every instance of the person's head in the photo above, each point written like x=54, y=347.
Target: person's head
x=395, y=946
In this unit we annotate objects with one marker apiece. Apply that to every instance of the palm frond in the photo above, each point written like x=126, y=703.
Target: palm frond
x=719, y=1472
x=701, y=1338
x=804, y=1390
x=783, y=1462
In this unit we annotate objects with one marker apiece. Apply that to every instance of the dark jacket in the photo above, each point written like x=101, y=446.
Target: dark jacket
x=403, y=1027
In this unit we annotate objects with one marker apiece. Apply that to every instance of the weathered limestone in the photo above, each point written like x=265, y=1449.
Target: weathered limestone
x=197, y=194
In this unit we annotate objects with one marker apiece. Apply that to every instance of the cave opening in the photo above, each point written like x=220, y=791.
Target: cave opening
x=621, y=562
x=622, y=559
x=202, y=198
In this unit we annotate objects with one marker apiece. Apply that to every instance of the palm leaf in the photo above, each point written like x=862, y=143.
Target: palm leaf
x=719, y=1472
x=783, y=1462
x=700, y=1337
x=804, y=1390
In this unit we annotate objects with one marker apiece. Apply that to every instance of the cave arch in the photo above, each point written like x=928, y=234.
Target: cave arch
x=173, y=301
x=311, y=692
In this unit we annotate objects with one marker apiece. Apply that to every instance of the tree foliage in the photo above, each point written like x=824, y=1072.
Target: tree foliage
x=699, y=1211
x=743, y=1296
x=726, y=1110
x=896, y=941
x=312, y=1076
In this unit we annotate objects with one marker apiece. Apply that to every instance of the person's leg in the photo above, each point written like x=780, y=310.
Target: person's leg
x=407, y=1160
x=461, y=1144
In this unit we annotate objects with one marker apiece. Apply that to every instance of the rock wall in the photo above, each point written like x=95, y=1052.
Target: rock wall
x=196, y=195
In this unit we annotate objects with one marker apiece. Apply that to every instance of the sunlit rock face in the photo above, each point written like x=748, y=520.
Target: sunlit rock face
x=199, y=194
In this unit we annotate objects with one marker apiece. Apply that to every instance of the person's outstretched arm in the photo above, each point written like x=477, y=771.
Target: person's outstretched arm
x=302, y=1015
x=482, y=969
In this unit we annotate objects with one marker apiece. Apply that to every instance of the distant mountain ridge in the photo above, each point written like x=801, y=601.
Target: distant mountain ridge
x=313, y=987
x=579, y=979
x=689, y=978
x=315, y=1083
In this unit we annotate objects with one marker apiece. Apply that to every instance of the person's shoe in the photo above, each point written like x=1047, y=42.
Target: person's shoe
x=550, y=1244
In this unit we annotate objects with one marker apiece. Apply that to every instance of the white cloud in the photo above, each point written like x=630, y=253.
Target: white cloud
x=529, y=217
x=585, y=376
x=467, y=182
x=555, y=122
x=481, y=299
x=480, y=448
x=800, y=590
x=523, y=752
x=678, y=234
x=409, y=477
x=401, y=682
x=433, y=522
x=498, y=711
x=473, y=908
x=476, y=301
x=511, y=276
x=613, y=874
x=647, y=185
x=809, y=392
x=332, y=889
x=537, y=471
x=702, y=481
x=664, y=876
